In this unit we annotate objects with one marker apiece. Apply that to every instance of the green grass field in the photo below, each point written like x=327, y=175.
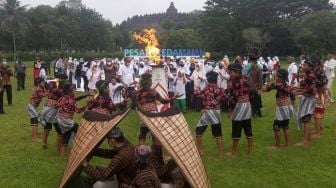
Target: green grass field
x=26, y=164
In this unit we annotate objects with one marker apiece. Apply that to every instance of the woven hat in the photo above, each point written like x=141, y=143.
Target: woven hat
x=92, y=130
x=173, y=131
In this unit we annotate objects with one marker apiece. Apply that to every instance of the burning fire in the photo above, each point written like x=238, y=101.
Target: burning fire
x=149, y=38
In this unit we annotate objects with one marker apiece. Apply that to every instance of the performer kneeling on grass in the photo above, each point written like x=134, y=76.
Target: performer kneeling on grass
x=284, y=109
x=146, y=176
x=322, y=99
x=307, y=93
x=122, y=162
x=239, y=103
x=67, y=107
x=49, y=113
x=167, y=172
x=37, y=96
x=212, y=96
x=146, y=100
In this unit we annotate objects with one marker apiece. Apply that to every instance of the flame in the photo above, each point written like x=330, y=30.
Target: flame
x=149, y=38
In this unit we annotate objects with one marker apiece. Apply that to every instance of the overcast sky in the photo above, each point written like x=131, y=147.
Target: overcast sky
x=119, y=10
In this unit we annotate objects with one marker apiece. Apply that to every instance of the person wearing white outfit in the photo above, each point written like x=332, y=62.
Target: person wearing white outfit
x=199, y=79
x=127, y=78
x=223, y=75
x=329, y=69
x=94, y=75
x=292, y=72
x=142, y=69
x=113, y=85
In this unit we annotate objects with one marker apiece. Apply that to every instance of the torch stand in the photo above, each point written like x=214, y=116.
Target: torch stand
x=159, y=84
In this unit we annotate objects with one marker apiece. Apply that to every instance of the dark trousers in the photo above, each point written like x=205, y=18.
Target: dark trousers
x=1, y=102
x=79, y=81
x=86, y=83
x=189, y=93
x=8, y=90
x=20, y=77
x=171, y=95
x=256, y=103
x=198, y=102
x=132, y=96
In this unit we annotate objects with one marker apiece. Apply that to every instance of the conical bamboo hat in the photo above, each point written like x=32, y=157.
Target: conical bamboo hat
x=92, y=130
x=171, y=128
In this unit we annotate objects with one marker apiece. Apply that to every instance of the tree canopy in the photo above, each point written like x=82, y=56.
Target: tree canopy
x=277, y=27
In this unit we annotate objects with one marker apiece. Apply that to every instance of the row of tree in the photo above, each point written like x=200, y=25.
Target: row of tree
x=277, y=27
x=44, y=28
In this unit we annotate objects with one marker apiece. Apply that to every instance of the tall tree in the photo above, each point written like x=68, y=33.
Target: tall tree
x=13, y=17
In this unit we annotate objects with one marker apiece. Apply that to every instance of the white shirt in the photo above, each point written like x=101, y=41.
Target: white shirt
x=94, y=77
x=127, y=73
x=208, y=68
x=223, y=77
x=116, y=99
x=329, y=68
x=292, y=69
x=43, y=74
x=180, y=88
x=199, y=78
x=171, y=82
x=85, y=68
x=143, y=70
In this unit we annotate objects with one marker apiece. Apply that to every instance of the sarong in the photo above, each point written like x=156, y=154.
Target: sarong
x=209, y=117
x=242, y=111
x=306, y=107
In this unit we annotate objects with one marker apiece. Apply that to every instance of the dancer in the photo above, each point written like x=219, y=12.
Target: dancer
x=284, y=109
x=322, y=99
x=240, y=108
x=103, y=102
x=212, y=97
x=67, y=107
x=163, y=170
x=307, y=93
x=49, y=113
x=146, y=100
x=37, y=96
x=146, y=176
x=122, y=161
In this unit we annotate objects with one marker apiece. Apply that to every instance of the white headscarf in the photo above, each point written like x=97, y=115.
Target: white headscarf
x=199, y=73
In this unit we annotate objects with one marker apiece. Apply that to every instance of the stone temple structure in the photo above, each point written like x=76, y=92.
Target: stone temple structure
x=172, y=10
x=72, y=4
x=155, y=20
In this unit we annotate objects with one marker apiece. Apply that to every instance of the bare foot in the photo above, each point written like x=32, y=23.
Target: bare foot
x=302, y=144
x=231, y=154
x=273, y=147
x=315, y=136
x=286, y=145
x=35, y=140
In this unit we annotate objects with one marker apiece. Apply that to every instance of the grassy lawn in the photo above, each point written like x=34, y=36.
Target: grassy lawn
x=26, y=164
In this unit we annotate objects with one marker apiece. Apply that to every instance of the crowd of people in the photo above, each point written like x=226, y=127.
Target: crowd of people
x=195, y=84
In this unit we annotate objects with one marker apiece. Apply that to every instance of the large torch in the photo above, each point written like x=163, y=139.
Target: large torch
x=148, y=37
